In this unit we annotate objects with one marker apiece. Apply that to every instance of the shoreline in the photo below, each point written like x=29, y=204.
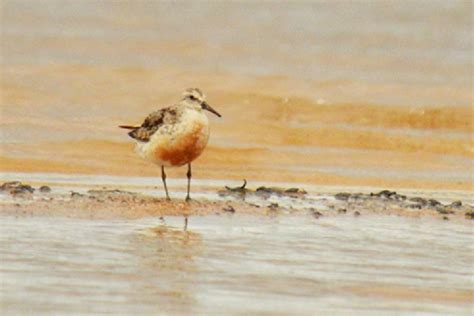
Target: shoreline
x=96, y=201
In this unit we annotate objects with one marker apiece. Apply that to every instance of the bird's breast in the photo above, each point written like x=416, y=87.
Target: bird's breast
x=179, y=144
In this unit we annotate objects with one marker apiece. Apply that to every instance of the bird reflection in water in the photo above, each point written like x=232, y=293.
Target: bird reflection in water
x=166, y=254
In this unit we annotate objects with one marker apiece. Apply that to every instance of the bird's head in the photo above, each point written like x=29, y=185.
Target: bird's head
x=197, y=99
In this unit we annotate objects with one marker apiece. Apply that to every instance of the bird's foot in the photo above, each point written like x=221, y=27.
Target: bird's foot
x=188, y=199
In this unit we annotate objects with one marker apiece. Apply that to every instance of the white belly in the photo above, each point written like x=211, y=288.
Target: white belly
x=177, y=144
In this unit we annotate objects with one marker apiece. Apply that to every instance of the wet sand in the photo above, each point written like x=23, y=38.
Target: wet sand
x=22, y=199
x=429, y=147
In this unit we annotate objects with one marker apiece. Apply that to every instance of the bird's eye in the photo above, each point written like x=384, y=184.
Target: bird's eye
x=192, y=97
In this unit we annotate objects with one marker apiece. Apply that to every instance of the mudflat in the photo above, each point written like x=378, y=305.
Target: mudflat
x=104, y=203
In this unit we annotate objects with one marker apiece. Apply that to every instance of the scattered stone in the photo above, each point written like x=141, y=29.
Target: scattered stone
x=343, y=196
x=264, y=189
x=45, y=189
x=229, y=209
x=433, y=203
x=456, y=204
x=19, y=191
x=271, y=190
x=469, y=215
x=16, y=188
x=265, y=192
x=76, y=194
x=384, y=194
x=418, y=200
x=389, y=195
x=344, y=203
x=9, y=185
x=110, y=192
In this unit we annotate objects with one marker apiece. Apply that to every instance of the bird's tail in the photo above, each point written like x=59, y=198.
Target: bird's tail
x=129, y=126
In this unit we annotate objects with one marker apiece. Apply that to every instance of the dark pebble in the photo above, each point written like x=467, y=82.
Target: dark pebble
x=445, y=218
x=419, y=200
x=44, y=189
x=456, y=204
x=9, y=185
x=356, y=213
x=317, y=214
x=342, y=211
x=470, y=215
x=343, y=196
x=22, y=190
x=385, y=194
x=76, y=194
x=265, y=190
x=433, y=202
x=16, y=187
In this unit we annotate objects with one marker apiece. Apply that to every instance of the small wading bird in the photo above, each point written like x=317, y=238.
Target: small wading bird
x=176, y=135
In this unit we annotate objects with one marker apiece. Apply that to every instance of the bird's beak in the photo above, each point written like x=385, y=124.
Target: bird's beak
x=206, y=106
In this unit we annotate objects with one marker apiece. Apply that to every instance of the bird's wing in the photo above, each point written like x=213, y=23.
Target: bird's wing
x=152, y=123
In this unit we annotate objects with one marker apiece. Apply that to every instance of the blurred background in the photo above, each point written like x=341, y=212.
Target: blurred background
x=360, y=93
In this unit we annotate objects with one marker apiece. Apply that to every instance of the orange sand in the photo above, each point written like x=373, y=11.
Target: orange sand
x=67, y=122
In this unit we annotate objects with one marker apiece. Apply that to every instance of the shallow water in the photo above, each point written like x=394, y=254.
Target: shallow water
x=236, y=264
x=368, y=41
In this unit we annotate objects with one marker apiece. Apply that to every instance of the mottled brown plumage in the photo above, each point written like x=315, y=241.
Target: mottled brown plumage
x=153, y=122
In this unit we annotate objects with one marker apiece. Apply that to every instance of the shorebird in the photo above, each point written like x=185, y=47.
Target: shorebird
x=174, y=136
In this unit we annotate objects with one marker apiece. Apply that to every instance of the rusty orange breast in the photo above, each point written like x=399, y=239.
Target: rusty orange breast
x=184, y=148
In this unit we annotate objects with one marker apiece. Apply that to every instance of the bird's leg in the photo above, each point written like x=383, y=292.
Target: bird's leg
x=163, y=177
x=185, y=223
x=188, y=174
